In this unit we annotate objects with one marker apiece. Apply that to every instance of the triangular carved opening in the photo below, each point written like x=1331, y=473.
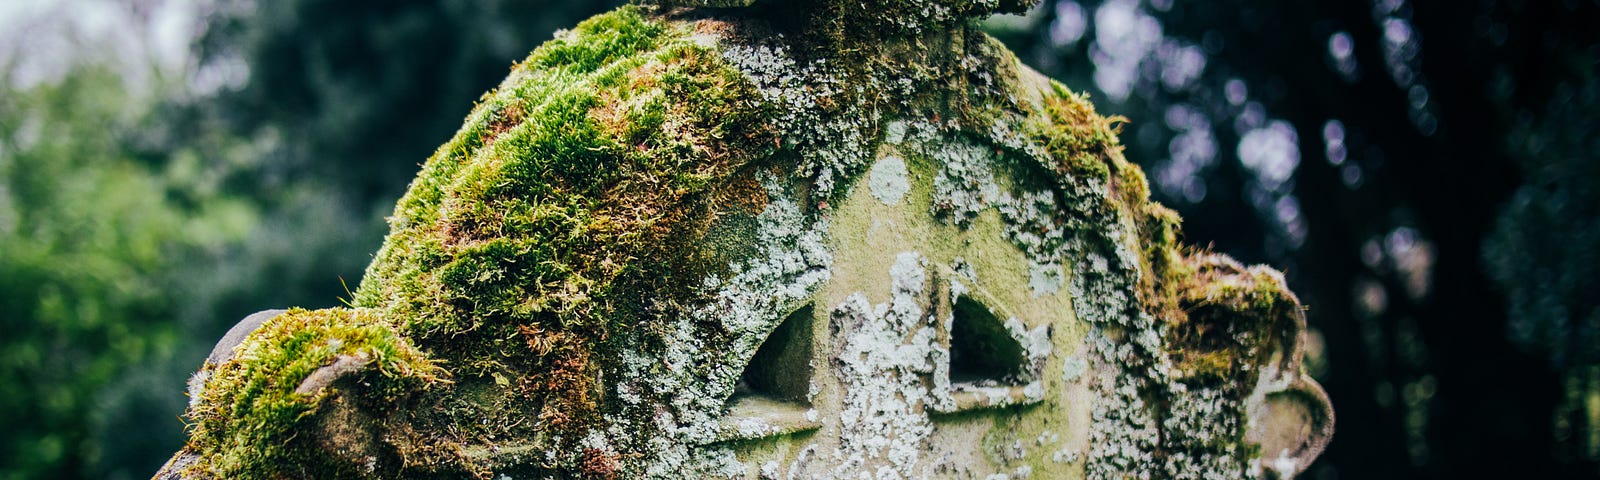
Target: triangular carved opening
x=781, y=367
x=770, y=398
x=982, y=351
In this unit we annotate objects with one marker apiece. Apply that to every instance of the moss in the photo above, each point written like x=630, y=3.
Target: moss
x=1230, y=314
x=598, y=42
x=252, y=418
x=559, y=214
x=1195, y=324
x=1083, y=144
x=611, y=223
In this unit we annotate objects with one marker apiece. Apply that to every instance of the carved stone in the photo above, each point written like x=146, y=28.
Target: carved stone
x=818, y=242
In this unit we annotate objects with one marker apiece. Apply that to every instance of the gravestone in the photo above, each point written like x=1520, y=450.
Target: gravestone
x=741, y=239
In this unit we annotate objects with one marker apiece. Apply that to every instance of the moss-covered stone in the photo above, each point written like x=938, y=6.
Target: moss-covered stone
x=618, y=228
x=261, y=410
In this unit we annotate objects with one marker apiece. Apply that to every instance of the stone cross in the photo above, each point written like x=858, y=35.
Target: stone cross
x=757, y=240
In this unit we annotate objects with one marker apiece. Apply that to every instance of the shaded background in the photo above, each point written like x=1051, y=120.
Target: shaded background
x=1426, y=173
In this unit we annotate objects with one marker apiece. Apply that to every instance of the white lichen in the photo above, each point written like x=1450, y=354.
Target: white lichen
x=965, y=184
x=1072, y=368
x=1044, y=278
x=741, y=309
x=769, y=470
x=833, y=147
x=887, y=349
x=1065, y=455
x=888, y=180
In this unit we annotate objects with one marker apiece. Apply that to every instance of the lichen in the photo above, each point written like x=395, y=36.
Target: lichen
x=676, y=388
x=622, y=222
x=888, y=181
x=539, y=231
x=881, y=372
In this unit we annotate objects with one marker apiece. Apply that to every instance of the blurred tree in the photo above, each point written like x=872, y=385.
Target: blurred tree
x=89, y=234
x=361, y=92
x=1375, y=143
x=138, y=222
x=1544, y=251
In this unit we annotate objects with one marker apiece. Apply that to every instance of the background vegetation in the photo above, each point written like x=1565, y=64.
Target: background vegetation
x=1426, y=173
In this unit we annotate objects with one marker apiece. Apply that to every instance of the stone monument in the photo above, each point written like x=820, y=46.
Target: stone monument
x=786, y=239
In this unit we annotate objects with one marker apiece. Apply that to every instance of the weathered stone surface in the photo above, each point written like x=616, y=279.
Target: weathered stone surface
x=223, y=350
x=178, y=466
x=706, y=3
x=804, y=241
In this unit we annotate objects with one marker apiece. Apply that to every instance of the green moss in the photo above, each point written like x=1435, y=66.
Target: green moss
x=251, y=420
x=586, y=200
x=1229, y=314
x=597, y=42
x=1083, y=143
x=559, y=214
x=1198, y=322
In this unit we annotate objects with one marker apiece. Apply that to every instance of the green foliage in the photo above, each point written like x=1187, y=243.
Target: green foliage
x=90, y=235
x=136, y=223
x=360, y=92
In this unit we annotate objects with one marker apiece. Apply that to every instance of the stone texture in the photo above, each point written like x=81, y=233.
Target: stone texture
x=942, y=258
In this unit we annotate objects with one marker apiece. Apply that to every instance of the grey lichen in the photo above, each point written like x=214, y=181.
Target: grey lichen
x=882, y=375
x=831, y=147
x=620, y=226
x=743, y=307
x=888, y=181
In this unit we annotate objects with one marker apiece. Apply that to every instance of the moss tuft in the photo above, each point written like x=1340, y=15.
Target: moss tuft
x=250, y=421
x=1230, y=316
x=597, y=42
x=1083, y=143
